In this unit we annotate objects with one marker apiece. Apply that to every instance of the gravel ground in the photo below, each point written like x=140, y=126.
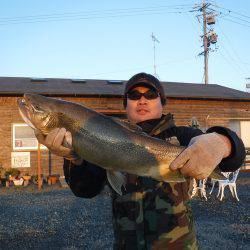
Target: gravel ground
x=55, y=219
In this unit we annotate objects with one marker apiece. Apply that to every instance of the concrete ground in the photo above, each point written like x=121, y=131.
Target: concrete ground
x=55, y=219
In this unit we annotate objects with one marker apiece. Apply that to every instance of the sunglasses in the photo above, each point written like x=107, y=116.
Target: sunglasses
x=136, y=95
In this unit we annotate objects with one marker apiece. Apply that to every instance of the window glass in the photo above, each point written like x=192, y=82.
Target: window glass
x=24, y=138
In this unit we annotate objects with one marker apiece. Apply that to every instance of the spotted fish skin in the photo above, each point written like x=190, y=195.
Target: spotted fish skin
x=101, y=140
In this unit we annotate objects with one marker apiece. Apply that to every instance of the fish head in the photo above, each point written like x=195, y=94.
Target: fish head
x=38, y=112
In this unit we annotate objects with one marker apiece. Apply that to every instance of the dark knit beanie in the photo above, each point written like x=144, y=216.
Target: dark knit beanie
x=147, y=80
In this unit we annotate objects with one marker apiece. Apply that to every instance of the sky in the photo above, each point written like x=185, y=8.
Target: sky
x=110, y=39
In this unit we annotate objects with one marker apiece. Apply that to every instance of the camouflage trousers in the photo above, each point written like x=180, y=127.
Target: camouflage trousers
x=154, y=219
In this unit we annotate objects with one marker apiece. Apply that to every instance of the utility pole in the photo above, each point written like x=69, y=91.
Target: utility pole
x=204, y=14
x=39, y=170
x=209, y=36
x=154, y=39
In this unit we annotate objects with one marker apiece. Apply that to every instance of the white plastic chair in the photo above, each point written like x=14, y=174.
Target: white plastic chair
x=229, y=182
x=18, y=182
x=202, y=188
x=213, y=181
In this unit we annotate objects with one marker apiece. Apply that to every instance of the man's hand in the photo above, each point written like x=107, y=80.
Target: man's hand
x=59, y=142
x=203, y=154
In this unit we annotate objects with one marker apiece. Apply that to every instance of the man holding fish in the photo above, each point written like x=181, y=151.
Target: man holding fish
x=150, y=213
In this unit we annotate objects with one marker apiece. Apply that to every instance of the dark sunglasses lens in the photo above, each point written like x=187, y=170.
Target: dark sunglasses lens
x=151, y=94
x=134, y=95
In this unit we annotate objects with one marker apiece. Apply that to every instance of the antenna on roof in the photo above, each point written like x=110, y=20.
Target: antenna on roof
x=248, y=84
x=154, y=39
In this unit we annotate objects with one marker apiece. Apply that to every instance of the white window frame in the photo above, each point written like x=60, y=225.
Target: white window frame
x=247, y=145
x=35, y=148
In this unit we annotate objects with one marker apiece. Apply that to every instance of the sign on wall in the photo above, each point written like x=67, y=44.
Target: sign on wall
x=20, y=159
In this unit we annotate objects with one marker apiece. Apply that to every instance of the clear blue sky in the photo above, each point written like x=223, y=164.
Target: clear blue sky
x=111, y=40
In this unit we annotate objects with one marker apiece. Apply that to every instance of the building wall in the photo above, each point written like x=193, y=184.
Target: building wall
x=220, y=113
x=208, y=112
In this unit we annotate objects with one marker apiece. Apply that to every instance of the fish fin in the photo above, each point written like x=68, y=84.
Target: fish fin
x=163, y=173
x=116, y=180
x=126, y=124
x=217, y=175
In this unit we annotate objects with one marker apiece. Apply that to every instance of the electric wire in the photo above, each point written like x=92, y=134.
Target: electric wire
x=231, y=64
x=231, y=11
x=197, y=31
x=237, y=17
x=230, y=20
x=232, y=59
x=232, y=48
x=88, y=18
x=92, y=12
x=92, y=15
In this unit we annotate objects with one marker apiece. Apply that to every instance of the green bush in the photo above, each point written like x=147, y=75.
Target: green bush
x=34, y=178
x=2, y=171
x=13, y=172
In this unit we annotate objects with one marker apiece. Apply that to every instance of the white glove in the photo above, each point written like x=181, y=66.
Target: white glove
x=59, y=142
x=202, y=156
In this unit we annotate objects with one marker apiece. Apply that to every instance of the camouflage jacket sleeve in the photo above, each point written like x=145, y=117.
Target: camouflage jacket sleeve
x=86, y=180
x=232, y=162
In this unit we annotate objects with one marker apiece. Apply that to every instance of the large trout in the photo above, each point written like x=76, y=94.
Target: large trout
x=109, y=143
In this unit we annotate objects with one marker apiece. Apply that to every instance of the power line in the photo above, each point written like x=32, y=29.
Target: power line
x=192, y=24
x=95, y=11
x=88, y=18
x=92, y=15
x=230, y=11
x=230, y=14
x=232, y=65
x=232, y=47
x=230, y=20
x=238, y=18
x=233, y=60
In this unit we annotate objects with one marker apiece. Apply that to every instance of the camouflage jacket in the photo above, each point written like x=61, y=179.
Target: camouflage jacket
x=151, y=214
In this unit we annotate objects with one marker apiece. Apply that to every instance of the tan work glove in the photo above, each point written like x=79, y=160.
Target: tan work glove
x=202, y=156
x=59, y=142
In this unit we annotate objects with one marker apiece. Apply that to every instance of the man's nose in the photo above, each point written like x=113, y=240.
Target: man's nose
x=142, y=100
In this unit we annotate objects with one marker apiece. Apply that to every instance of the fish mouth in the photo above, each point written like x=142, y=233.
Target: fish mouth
x=26, y=109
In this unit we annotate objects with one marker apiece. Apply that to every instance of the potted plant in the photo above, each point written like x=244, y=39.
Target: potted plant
x=26, y=179
x=11, y=174
x=52, y=179
x=2, y=175
x=34, y=178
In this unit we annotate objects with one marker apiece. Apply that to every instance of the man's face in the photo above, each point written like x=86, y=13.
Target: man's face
x=143, y=109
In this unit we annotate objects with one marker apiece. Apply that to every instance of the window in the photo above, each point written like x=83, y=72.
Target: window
x=24, y=138
x=119, y=82
x=78, y=81
x=245, y=132
x=38, y=80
